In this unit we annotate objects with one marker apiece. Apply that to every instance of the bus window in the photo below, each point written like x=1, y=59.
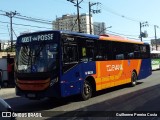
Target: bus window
x=83, y=51
x=90, y=50
x=145, y=51
x=133, y=51
x=70, y=55
x=118, y=51
x=86, y=50
x=137, y=53
x=101, y=53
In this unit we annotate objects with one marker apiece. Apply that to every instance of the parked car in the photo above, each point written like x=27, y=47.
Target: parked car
x=5, y=111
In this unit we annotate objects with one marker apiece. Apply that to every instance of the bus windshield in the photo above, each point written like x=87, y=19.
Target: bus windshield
x=37, y=57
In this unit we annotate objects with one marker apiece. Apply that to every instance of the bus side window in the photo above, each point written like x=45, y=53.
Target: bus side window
x=118, y=51
x=133, y=51
x=70, y=53
x=83, y=51
x=86, y=50
x=70, y=56
x=90, y=49
x=102, y=50
x=137, y=53
x=145, y=51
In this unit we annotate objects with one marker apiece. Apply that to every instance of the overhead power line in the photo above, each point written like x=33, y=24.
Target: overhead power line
x=123, y=34
x=25, y=25
x=107, y=9
x=37, y=20
x=32, y=20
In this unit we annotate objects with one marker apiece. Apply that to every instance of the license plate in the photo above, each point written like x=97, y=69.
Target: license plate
x=31, y=95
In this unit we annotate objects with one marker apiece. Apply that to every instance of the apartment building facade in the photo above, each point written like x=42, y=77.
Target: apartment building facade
x=99, y=28
x=155, y=44
x=70, y=23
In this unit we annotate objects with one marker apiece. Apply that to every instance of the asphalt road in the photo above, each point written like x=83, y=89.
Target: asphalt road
x=143, y=99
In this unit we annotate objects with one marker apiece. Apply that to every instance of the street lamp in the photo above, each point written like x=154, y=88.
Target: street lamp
x=104, y=29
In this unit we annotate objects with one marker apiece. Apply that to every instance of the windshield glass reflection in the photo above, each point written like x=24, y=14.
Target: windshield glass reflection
x=37, y=58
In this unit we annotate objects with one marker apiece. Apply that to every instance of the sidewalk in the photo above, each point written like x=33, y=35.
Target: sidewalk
x=7, y=92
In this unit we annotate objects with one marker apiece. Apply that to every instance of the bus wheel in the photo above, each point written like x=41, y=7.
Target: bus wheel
x=133, y=79
x=87, y=91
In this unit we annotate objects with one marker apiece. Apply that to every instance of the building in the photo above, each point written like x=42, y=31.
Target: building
x=155, y=44
x=5, y=45
x=99, y=28
x=70, y=23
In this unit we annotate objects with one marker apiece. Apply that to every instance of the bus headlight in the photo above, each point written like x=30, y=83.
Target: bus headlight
x=53, y=81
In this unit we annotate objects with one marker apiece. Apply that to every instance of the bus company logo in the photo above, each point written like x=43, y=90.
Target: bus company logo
x=114, y=67
x=6, y=114
x=12, y=114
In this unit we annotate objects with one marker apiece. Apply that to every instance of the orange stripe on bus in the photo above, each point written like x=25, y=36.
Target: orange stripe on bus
x=119, y=40
x=33, y=85
x=33, y=81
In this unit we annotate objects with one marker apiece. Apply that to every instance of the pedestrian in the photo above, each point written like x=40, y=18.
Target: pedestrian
x=10, y=71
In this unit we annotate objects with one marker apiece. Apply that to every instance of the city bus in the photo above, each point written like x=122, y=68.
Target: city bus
x=57, y=64
x=155, y=59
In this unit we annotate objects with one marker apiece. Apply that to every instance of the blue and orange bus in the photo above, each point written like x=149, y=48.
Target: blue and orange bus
x=61, y=63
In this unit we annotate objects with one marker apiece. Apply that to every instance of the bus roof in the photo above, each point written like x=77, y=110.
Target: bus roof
x=81, y=34
x=105, y=37
x=66, y=32
x=101, y=37
x=118, y=39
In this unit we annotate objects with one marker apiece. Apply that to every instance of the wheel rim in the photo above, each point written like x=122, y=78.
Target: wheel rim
x=87, y=89
x=134, y=78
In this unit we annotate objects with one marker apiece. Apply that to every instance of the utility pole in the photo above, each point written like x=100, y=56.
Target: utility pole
x=155, y=26
x=11, y=15
x=90, y=29
x=141, y=31
x=79, y=27
x=143, y=24
x=78, y=16
x=90, y=15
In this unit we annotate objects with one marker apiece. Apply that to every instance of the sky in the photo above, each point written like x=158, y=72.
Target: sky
x=123, y=15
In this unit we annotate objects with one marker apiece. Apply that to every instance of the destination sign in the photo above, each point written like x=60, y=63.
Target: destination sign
x=38, y=37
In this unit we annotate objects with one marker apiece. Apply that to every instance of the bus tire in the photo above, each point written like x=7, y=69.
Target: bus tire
x=133, y=79
x=86, y=91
